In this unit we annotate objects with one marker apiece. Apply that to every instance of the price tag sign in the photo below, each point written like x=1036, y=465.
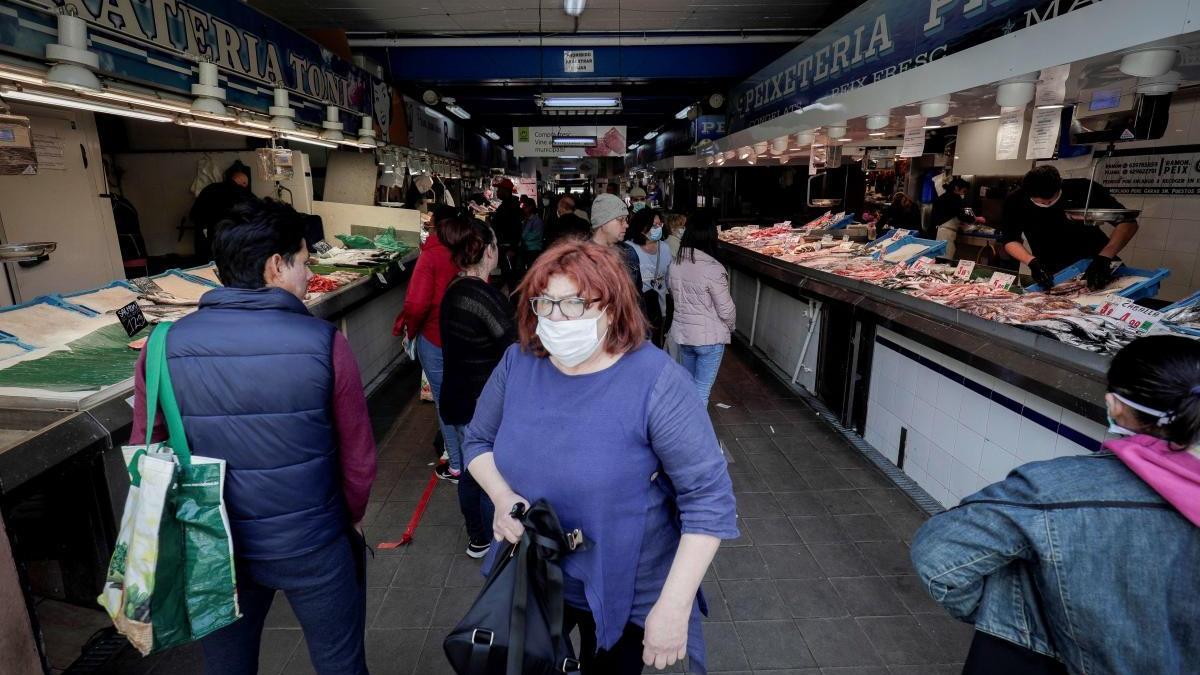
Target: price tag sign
x=897, y=235
x=321, y=247
x=899, y=269
x=827, y=239
x=845, y=237
x=922, y=263
x=964, y=269
x=382, y=279
x=132, y=319
x=1141, y=319
x=1001, y=281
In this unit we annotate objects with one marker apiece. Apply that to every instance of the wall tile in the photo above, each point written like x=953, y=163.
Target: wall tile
x=1153, y=232
x=940, y=462
x=1003, y=428
x=1083, y=425
x=950, y=395
x=1067, y=448
x=1146, y=258
x=945, y=430
x=922, y=418
x=1009, y=391
x=902, y=403
x=1037, y=443
x=968, y=447
x=1180, y=263
x=1184, y=234
x=996, y=462
x=962, y=480
x=927, y=386
x=1044, y=407
x=1171, y=292
x=917, y=450
x=1152, y=207
x=974, y=411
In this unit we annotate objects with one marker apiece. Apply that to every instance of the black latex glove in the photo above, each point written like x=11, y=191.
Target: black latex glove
x=1099, y=273
x=1041, y=276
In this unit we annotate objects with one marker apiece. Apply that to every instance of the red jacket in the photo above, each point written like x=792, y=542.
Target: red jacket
x=422, y=303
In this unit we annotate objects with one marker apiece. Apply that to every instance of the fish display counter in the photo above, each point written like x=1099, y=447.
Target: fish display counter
x=948, y=375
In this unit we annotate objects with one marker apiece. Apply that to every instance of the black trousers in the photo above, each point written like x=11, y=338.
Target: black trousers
x=624, y=658
x=991, y=655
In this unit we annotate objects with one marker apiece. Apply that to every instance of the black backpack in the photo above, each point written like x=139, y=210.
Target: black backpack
x=515, y=626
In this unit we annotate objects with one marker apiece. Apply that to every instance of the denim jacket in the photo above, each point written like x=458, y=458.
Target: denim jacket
x=1076, y=558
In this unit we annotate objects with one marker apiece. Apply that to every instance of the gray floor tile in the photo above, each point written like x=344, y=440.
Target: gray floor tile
x=718, y=609
x=913, y=594
x=724, y=649
x=801, y=503
x=790, y=562
x=819, y=529
x=754, y=600
x=745, y=539
x=452, y=606
x=900, y=640
x=841, y=560
x=740, y=431
x=748, y=482
x=953, y=636
x=394, y=651
x=867, y=478
x=773, y=644
x=740, y=563
x=771, y=531
x=856, y=670
x=827, y=479
x=381, y=569
x=758, y=505
x=845, y=503
x=805, y=458
x=464, y=572
x=950, y=669
x=889, y=558
x=419, y=570
x=435, y=539
x=866, y=528
x=837, y=642
x=758, y=446
x=301, y=662
x=375, y=598
x=888, y=500
x=433, y=658
x=869, y=596
x=905, y=525
x=281, y=614
x=811, y=598
x=407, y=608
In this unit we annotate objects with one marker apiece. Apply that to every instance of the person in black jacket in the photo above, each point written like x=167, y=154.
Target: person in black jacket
x=216, y=203
x=508, y=222
x=901, y=214
x=477, y=327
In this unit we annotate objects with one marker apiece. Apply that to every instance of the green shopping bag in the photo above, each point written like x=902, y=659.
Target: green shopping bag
x=171, y=579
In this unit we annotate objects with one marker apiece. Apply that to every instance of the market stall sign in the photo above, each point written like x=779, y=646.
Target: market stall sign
x=157, y=42
x=579, y=61
x=539, y=141
x=922, y=264
x=132, y=319
x=879, y=40
x=430, y=130
x=1002, y=281
x=964, y=269
x=1170, y=170
x=1141, y=319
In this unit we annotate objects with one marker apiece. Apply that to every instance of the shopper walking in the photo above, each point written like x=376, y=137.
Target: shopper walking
x=644, y=237
x=1088, y=558
x=676, y=225
x=651, y=493
x=507, y=223
x=419, y=320
x=477, y=328
x=704, y=311
x=276, y=393
x=610, y=222
x=534, y=232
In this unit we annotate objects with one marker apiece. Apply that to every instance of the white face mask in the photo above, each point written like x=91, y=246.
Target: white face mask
x=571, y=342
x=1046, y=206
x=1164, y=418
x=424, y=236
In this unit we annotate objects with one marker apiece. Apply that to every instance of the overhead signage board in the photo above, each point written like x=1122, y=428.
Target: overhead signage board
x=709, y=127
x=158, y=43
x=539, y=141
x=878, y=40
x=1170, y=170
x=579, y=61
x=432, y=131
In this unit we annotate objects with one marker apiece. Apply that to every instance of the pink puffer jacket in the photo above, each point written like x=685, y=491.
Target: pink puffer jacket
x=704, y=310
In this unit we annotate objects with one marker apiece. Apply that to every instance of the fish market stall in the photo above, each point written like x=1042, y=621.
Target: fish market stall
x=953, y=373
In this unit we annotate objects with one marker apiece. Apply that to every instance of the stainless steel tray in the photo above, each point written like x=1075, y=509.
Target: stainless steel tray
x=825, y=203
x=22, y=252
x=1110, y=216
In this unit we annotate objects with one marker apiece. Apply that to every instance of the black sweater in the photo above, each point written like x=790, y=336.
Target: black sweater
x=477, y=327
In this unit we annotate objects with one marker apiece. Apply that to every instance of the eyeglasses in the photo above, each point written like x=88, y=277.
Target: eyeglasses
x=571, y=308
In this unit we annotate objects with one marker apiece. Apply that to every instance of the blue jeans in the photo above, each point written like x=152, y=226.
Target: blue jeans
x=430, y=357
x=702, y=362
x=327, y=595
x=477, y=508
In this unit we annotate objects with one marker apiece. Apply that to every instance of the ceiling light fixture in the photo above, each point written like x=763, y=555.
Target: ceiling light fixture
x=1163, y=84
x=210, y=98
x=454, y=109
x=311, y=141
x=804, y=138
x=847, y=139
x=80, y=104
x=779, y=145
x=282, y=115
x=574, y=141
x=26, y=78
x=73, y=63
x=366, y=133
x=156, y=103
x=878, y=120
x=213, y=126
x=745, y=152
x=574, y=7
x=491, y=134
x=837, y=129
x=932, y=126
x=1149, y=62
x=635, y=146
x=689, y=113
x=332, y=128
x=877, y=134
x=508, y=147
x=1016, y=91
x=578, y=104
x=650, y=135
x=935, y=107
x=760, y=148
x=1051, y=106
x=983, y=118
x=247, y=120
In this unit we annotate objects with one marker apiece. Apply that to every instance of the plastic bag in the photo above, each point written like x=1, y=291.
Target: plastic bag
x=388, y=242
x=356, y=241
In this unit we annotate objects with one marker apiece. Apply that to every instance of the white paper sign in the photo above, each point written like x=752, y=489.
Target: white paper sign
x=1141, y=319
x=914, y=136
x=964, y=269
x=1052, y=85
x=579, y=61
x=539, y=141
x=1008, y=134
x=1047, y=122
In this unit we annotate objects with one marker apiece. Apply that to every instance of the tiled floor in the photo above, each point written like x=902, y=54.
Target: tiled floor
x=819, y=583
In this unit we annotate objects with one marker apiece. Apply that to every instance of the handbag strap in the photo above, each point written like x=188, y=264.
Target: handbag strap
x=520, y=606
x=160, y=391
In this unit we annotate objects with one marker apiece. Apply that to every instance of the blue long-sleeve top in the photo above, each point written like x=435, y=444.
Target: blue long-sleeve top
x=599, y=448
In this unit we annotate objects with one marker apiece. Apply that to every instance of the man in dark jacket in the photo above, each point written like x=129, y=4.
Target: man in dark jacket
x=276, y=393
x=215, y=203
x=508, y=222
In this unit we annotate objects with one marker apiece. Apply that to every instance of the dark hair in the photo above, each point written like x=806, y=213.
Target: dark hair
x=1162, y=372
x=900, y=197
x=1042, y=182
x=443, y=212
x=236, y=168
x=957, y=183
x=468, y=249
x=253, y=233
x=453, y=229
x=700, y=235
x=640, y=223
x=571, y=226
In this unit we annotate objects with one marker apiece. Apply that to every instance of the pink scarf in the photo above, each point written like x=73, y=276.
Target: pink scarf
x=1174, y=474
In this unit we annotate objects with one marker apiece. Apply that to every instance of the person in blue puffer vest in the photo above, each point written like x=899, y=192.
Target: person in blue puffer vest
x=276, y=393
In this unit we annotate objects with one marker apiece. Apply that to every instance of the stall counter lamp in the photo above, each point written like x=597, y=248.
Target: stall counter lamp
x=311, y=141
x=80, y=104
x=222, y=128
x=932, y=126
x=491, y=134
x=878, y=133
x=650, y=135
x=580, y=102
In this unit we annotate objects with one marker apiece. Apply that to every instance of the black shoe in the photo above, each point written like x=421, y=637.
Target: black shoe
x=478, y=550
x=444, y=472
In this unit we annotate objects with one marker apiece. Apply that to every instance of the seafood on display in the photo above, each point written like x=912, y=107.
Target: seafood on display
x=1077, y=290
x=1090, y=332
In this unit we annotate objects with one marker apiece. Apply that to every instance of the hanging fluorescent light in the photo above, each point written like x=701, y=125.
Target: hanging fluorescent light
x=25, y=78
x=491, y=134
x=574, y=141
x=689, y=112
x=730, y=154
x=454, y=109
x=366, y=133
x=144, y=101
x=982, y=118
x=745, y=152
x=282, y=115
x=581, y=101
x=73, y=63
x=332, y=127
x=209, y=97
x=779, y=145
x=1164, y=84
x=932, y=126
x=650, y=135
x=245, y=119
x=570, y=156
x=80, y=104
x=1051, y=106
x=635, y=146
x=574, y=7
x=935, y=107
x=877, y=134
x=846, y=139
x=309, y=140
x=508, y=146
x=213, y=126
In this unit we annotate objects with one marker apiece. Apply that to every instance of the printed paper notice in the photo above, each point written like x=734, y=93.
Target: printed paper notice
x=1043, y=133
x=914, y=136
x=579, y=61
x=1052, y=85
x=1008, y=134
x=50, y=152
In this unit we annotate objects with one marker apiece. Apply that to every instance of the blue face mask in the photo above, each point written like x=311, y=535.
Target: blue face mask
x=638, y=206
x=656, y=233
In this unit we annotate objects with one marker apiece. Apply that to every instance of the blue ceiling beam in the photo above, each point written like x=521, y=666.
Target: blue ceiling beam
x=481, y=64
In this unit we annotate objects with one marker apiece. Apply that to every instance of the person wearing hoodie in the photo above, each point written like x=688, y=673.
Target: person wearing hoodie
x=1085, y=564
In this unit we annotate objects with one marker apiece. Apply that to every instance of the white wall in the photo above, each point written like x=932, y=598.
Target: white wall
x=975, y=153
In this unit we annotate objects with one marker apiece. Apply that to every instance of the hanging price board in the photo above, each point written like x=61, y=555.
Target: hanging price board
x=922, y=263
x=827, y=239
x=897, y=235
x=1141, y=319
x=964, y=269
x=1001, y=281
